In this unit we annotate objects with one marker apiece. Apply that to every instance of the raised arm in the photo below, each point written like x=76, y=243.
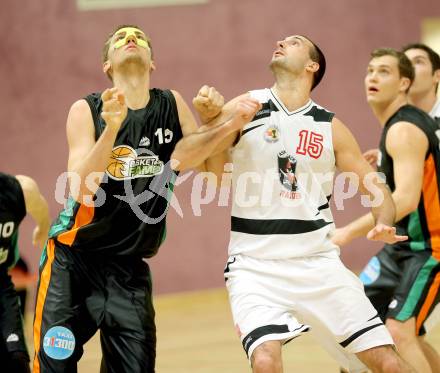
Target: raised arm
x=223, y=116
x=407, y=145
x=198, y=144
x=378, y=224
x=209, y=106
x=87, y=156
x=37, y=207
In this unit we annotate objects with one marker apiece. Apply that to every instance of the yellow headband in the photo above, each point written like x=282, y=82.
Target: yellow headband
x=130, y=31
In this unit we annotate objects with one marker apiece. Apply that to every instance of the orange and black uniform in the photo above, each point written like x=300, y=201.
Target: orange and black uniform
x=403, y=280
x=13, y=352
x=92, y=272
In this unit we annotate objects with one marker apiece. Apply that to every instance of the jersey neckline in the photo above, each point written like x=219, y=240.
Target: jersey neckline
x=149, y=103
x=282, y=106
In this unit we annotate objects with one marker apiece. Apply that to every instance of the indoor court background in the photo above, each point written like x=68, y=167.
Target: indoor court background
x=51, y=56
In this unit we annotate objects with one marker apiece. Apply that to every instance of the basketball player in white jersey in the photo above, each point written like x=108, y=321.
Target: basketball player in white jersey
x=283, y=273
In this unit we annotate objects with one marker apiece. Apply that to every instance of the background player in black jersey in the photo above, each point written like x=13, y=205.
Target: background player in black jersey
x=422, y=94
x=423, y=91
x=124, y=144
x=402, y=281
x=259, y=306
x=19, y=196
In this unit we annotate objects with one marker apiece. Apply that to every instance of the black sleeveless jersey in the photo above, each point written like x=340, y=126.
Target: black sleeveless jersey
x=127, y=214
x=423, y=225
x=12, y=212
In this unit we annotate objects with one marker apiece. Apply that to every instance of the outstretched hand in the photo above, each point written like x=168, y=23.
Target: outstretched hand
x=385, y=233
x=208, y=102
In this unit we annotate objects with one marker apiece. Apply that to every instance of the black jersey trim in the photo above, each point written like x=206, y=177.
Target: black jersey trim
x=167, y=93
x=260, y=332
x=95, y=116
x=325, y=205
x=375, y=316
x=227, y=269
x=276, y=226
x=250, y=129
x=320, y=115
x=289, y=113
x=266, y=110
x=358, y=334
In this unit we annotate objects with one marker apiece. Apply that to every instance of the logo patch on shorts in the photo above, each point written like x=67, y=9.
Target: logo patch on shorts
x=59, y=343
x=371, y=272
x=12, y=338
x=393, y=304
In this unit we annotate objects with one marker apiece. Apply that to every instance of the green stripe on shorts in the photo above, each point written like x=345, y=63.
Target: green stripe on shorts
x=417, y=241
x=416, y=290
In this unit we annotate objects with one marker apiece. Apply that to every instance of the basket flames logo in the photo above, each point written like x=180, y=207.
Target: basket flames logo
x=126, y=164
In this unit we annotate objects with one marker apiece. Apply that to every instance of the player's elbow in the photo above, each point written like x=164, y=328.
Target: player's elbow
x=407, y=207
x=411, y=207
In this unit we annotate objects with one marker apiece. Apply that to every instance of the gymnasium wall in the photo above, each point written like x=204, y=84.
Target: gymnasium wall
x=50, y=57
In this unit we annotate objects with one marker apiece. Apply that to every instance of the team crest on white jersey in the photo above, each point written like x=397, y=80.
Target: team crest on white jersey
x=287, y=173
x=287, y=169
x=126, y=164
x=272, y=134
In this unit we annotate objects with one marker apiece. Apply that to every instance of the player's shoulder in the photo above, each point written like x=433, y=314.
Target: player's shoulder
x=26, y=182
x=320, y=113
x=8, y=182
x=411, y=114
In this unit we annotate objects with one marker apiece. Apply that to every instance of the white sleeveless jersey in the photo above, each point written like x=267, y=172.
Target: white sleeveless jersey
x=283, y=167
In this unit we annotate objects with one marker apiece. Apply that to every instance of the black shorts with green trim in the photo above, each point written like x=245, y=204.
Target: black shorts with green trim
x=402, y=284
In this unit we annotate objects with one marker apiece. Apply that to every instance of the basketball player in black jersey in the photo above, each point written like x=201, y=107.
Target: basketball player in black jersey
x=403, y=280
x=423, y=91
x=19, y=196
x=124, y=145
x=423, y=95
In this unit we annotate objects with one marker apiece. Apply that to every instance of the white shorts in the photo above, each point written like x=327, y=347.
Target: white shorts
x=278, y=299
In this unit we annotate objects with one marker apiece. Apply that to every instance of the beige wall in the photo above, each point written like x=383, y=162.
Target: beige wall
x=431, y=35
x=51, y=57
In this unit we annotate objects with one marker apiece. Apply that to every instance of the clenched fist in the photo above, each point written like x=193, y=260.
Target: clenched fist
x=244, y=112
x=208, y=103
x=114, y=108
